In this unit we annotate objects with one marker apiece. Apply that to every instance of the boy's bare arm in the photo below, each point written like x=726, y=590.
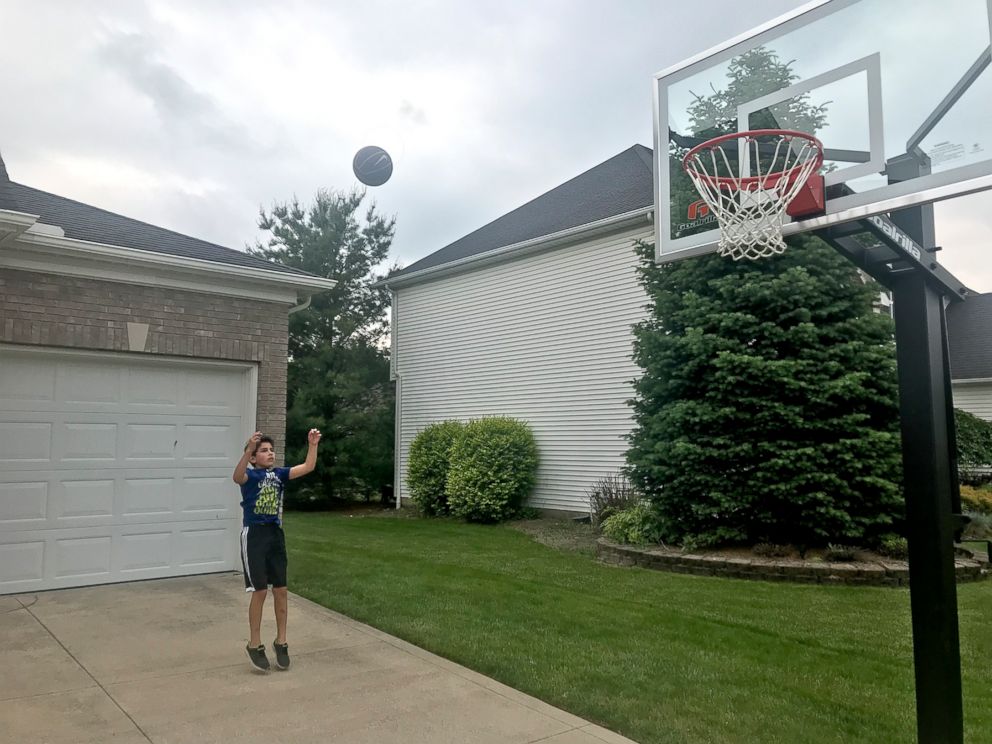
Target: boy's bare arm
x=240, y=476
x=297, y=471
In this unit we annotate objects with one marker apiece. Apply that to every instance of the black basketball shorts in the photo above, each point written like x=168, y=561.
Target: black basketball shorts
x=263, y=556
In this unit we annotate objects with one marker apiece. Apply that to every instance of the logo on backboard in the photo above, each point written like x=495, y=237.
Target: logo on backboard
x=697, y=214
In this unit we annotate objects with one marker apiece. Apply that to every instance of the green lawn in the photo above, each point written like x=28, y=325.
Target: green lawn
x=658, y=657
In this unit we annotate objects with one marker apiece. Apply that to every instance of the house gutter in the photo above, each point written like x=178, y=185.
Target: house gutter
x=615, y=223
x=27, y=231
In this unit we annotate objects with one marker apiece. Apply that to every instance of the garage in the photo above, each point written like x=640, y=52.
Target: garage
x=134, y=362
x=114, y=469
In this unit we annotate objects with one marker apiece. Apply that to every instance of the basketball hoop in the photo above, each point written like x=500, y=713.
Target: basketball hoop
x=751, y=208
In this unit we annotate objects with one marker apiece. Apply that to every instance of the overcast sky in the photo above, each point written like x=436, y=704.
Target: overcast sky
x=192, y=115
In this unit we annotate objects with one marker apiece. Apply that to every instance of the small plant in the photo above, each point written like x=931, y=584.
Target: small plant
x=976, y=499
x=840, y=553
x=979, y=528
x=529, y=512
x=610, y=495
x=771, y=550
x=427, y=471
x=634, y=526
x=894, y=546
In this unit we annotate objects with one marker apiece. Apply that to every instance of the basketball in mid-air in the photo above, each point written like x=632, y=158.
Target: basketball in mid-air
x=372, y=165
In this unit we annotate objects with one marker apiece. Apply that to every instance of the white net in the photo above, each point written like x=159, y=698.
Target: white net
x=748, y=181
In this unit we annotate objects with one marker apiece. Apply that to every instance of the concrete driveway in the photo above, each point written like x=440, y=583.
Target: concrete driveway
x=163, y=661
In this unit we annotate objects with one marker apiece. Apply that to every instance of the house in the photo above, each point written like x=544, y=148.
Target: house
x=134, y=363
x=530, y=316
x=969, y=326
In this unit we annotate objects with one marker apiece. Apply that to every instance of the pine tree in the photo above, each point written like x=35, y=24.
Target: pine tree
x=767, y=410
x=338, y=376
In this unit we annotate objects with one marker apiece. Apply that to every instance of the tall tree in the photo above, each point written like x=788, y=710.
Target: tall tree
x=767, y=409
x=338, y=378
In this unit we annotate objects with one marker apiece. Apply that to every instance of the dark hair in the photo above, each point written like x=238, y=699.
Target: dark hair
x=265, y=438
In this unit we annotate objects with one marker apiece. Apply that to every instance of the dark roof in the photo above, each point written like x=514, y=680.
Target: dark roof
x=83, y=222
x=624, y=183
x=969, y=332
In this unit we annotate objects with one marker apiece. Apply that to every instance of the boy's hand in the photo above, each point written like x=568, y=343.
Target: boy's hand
x=313, y=437
x=253, y=441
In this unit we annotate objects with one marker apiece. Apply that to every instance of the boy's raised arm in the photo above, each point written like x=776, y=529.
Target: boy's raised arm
x=240, y=475
x=297, y=471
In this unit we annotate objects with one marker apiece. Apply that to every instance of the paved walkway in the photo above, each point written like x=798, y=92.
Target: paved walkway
x=163, y=661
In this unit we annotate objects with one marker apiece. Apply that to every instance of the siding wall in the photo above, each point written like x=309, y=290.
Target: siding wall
x=546, y=339
x=975, y=398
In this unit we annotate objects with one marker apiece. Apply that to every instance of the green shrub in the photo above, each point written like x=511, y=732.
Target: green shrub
x=636, y=525
x=427, y=470
x=894, y=546
x=974, y=441
x=840, y=553
x=979, y=528
x=610, y=495
x=976, y=499
x=493, y=469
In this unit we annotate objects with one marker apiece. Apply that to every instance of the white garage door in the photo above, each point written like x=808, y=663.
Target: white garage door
x=115, y=468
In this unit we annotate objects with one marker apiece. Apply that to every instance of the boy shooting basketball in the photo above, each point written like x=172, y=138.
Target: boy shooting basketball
x=263, y=544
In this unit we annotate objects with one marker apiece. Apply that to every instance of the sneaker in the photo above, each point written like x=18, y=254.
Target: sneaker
x=282, y=655
x=258, y=658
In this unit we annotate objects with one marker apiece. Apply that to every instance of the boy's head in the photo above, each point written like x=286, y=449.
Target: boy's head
x=265, y=454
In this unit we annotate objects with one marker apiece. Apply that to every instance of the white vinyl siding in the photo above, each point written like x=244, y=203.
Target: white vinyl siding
x=546, y=339
x=974, y=397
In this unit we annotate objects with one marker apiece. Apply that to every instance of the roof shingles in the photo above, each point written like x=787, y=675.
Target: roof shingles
x=83, y=222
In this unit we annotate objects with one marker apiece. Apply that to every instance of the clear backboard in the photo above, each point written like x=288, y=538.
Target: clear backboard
x=898, y=92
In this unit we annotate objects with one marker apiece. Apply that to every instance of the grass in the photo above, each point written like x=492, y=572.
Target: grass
x=661, y=658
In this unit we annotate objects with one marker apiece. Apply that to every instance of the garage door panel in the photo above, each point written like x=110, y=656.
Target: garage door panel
x=26, y=443
x=25, y=384
x=115, y=468
x=23, y=505
x=55, y=559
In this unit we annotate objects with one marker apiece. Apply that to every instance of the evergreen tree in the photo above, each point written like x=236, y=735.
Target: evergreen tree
x=338, y=377
x=767, y=409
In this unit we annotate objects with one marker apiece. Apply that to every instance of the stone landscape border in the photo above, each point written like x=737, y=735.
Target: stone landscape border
x=883, y=573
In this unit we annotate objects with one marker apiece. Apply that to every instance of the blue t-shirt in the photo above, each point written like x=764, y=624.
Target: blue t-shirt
x=262, y=494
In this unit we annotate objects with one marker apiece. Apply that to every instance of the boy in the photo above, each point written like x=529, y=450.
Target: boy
x=263, y=545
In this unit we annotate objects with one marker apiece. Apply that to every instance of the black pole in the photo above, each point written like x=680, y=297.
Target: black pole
x=923, y=407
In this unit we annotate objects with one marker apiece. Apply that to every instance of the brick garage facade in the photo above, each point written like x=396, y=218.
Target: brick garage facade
x=77, y=313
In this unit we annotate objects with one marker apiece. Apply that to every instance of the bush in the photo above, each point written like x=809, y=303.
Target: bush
x=974, y=444
x=427, y=470
x=840, y=553
x=976, y=499
x=636, y=525
x=493, y=468
x=894, y=546
x=979, y=528
x=611, y=495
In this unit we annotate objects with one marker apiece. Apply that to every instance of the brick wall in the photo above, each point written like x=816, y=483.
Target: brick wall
x=77, y=313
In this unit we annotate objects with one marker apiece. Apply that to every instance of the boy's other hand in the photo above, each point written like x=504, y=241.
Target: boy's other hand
x=313, y=437
x=253, y=441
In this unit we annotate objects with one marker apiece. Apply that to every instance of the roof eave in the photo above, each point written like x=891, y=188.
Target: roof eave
x=16, y=226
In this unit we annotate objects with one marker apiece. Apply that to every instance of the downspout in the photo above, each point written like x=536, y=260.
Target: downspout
x=302, y=306
x=398, y=405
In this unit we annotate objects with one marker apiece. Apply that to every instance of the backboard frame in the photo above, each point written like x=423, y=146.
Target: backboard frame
x=952, y=182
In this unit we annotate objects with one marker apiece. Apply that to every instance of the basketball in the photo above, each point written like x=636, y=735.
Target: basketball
x=372, y=165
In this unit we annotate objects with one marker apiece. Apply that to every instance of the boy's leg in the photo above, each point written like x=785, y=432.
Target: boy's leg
x=255, y=617
x=276, y=569
x=280, y=597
